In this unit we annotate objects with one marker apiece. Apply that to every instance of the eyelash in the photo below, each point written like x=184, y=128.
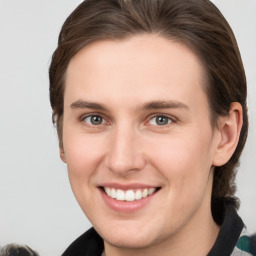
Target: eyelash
x=171, y=119
x=82, y=119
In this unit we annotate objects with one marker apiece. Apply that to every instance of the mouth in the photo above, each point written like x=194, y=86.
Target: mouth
x=129, y=195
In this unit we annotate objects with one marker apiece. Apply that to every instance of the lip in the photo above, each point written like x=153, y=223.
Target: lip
x=125, y=206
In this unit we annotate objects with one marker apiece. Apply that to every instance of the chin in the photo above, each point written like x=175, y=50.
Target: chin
x=129, y=238
x=128, y=242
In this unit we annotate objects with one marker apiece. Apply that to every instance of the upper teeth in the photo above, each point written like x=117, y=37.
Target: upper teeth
x=128, y=195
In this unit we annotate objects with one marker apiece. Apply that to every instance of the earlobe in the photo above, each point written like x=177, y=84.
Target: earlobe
x=229, y=128
x=62, y=154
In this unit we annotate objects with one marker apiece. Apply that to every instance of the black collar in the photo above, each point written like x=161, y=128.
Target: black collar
x=88, y=244
x=229, y=234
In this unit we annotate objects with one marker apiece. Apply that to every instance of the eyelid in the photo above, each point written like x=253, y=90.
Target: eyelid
x=172, y=118
x=82, y=118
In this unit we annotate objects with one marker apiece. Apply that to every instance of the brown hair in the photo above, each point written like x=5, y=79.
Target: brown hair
x=196, y=23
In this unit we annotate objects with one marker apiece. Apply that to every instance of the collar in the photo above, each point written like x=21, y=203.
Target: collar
x=229, y=234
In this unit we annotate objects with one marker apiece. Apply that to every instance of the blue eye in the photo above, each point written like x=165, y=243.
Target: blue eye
x=94, y=120
x=160, y=120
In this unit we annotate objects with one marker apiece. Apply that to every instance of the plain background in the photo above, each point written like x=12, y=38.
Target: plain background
x=37, y=206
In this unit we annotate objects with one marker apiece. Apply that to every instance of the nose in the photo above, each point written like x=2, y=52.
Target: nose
x=125, y=153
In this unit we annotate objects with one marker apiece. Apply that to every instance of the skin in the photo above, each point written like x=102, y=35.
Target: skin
x=129, y=146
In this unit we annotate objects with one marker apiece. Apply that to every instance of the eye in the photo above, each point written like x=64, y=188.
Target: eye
x=160, y=120
x=94, y=120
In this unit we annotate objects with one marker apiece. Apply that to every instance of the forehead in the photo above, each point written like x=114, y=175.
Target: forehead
x=142, y=68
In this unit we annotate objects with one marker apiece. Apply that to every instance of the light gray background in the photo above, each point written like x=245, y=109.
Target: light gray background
x=37, y=206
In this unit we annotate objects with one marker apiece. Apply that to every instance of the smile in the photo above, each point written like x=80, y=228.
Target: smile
x=129, y=195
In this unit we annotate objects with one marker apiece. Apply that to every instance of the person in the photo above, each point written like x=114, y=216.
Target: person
x=149, y=100
x=17, y=250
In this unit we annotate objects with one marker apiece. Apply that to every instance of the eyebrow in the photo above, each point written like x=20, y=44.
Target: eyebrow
x=87, y=104
x=164, y=104
x=146, y=106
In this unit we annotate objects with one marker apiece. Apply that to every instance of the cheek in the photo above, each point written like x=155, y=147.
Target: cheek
x=83, y=156
x=83, y=153
x=184, y=161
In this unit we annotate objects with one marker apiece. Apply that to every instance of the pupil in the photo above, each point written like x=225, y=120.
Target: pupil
x=161, y=120
x=96, y=120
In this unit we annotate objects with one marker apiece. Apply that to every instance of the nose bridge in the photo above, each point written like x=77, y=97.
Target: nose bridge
x=124, y=154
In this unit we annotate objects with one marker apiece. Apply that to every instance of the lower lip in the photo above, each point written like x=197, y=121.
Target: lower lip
x=126, y=206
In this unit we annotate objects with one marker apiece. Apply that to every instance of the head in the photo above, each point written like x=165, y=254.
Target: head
x=17, y=250
x=198, y=26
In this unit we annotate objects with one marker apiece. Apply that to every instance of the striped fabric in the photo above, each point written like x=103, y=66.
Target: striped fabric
x=246, y=245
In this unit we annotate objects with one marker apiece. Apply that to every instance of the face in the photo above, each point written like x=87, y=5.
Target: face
x=137, y=139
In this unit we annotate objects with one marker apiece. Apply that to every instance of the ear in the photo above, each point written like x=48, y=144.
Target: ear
x=62, y=153
x=229, y=129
